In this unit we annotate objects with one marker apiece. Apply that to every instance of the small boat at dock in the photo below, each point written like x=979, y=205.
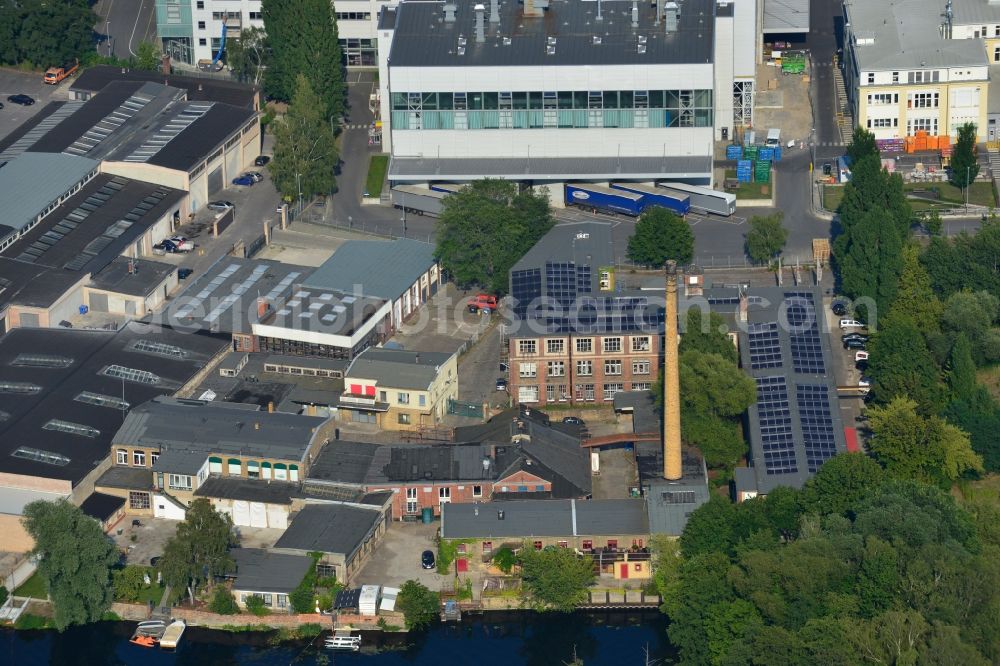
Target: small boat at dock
x=148, y=633
x=172, y=635
x=343, y=640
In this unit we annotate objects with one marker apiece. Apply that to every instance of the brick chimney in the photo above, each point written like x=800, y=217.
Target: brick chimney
x=671, y=382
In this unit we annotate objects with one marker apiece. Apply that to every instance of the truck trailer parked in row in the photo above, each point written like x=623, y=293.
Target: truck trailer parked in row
x=418, y=200
x=657, y=196
x=601, y=199
x=704, y=199
x=54, y=75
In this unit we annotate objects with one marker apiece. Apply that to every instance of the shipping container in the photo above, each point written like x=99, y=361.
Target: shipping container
x=418, y=200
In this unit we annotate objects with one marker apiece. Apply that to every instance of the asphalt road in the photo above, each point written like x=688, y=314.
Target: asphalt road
x=13, y=82
x=354, y=156
x=825, y=33
x=123, y=24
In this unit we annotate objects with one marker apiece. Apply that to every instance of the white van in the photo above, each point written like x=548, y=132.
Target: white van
x=773, y=138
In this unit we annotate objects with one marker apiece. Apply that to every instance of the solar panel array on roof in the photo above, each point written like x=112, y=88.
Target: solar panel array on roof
x=807, y=348
x=813, y=401
x=765, y=345
x=775, y=425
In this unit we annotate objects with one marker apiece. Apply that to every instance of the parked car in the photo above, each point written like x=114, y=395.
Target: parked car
x=854, y=344
x=256, y=175
x=427, y=560
x=1, y=105
x=245, y=180
x=864, y=382
x=220, y=205
x=839, y=308
x=153, y=561
x=861, y=366
x=21, y=99
x=261, y=160
x=501, y=384
x=854, y=336
x=573, y=420
x=164, y=247
x=851, y=323
x=184, y=273
x=861, y=356
x=504, y=367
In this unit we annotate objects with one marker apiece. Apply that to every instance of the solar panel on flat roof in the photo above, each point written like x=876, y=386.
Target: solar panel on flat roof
x=815, y=418
x=806, y=345
x=765, y=345
x=775, y=424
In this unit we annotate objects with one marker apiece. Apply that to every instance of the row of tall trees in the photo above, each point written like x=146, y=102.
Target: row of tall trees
x=857, y=567
x=44, y=33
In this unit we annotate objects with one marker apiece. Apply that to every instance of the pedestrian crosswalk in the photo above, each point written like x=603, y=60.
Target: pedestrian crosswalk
x=356, y=127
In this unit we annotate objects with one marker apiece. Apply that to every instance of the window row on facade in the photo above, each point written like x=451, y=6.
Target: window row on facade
x=584, y=368
x=529, y=393
x=562, y=100
x=607, y=345
x=234, y=467
x=583, y=119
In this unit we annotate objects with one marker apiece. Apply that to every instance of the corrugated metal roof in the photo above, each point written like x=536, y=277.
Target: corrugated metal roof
x=974, y=11
x=32, y=181
x=905, y=35
x=786, y=16
x=384, y=269
x=544, y=518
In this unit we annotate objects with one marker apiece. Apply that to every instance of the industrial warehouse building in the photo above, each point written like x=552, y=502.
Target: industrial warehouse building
x=147, y=131
x=557, y=90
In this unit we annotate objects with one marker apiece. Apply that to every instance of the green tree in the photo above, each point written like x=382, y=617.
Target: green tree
x=247, y=56
x=305, y=154
x=44, y=33
x=962, y=370
x=870, y=260
x=74, y=559
x=872, y=188
x=555, y=578
x=504, y=560
x=915, y=298
x=842, y=483
x=862, y=145
x=964, y=165
x=199, y=549
x=660, y=235
x=303, y=40
x=255, y=604
x=933, y=223
x=147, y=57
x=924, y=448
x=711, y=528
x=902, y=365
x=974, y=314
x=419, y=605
x=486, y=227
x=303, y=597
x=766, y=237
x=129, y=582
x=714, y=393
x=707, y=334
x=223, y=602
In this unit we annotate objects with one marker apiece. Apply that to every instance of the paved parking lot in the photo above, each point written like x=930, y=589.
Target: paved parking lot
x=843, y=368
x=13, y=82
x=397, y=558
x=151, y=537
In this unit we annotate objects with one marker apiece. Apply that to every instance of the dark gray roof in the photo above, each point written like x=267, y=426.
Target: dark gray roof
x=670, y=503
x=224, y=298
x=259, y=570
x=218, y=428
x=101, y=507
x=330, y=528
x=82, y=240
x=306, y=362
x=60, y=389
x=31, y=285
x=30, y=183
x=671, y=167
x=786, y=16
x=642, y=405
x=422, y=39
x=400, y=263
x=544, y=518
x=94, y=79
x=396, y=368
x=797, y=409
x=744, y=479
x=126, y=478
x=343, y=462
x=146, y=277
x=180, y=461
x=249, y=490
x=586, y=243
x=566, y=464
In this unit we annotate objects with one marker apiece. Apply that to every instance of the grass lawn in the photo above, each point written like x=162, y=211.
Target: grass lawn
x=34, y=587
x=990, y=378
x=832, y=194
x=980, y=194
x=751, y=190
x=377, y=167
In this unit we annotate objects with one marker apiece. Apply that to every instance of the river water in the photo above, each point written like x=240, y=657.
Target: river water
x=510, y=639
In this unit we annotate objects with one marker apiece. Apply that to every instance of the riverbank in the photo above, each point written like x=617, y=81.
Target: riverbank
x=500, y=638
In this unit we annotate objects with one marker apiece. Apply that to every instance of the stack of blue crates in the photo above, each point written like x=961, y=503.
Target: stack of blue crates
x=777, y=154
x=765, y=153
x=734, y=152
x=744, y=171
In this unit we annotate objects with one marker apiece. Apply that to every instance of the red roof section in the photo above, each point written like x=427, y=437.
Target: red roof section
x=851, y=435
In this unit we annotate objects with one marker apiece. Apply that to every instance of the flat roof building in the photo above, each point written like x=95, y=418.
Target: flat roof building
x=556, y=91
x=545, y=518
x=197, y=88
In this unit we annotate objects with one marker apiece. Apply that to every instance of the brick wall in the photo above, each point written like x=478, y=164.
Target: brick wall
x=206, y=619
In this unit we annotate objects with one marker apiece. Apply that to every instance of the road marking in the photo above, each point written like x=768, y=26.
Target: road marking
x=138, y=15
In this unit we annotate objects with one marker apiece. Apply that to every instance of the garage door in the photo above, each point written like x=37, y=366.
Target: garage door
x=277, y=516
x=215, y=181
x=241, y=513
x=233, y=162
x=258, y=514
x=98, y=302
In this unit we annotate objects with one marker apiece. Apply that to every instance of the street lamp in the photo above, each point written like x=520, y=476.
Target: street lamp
x=298, y=186
x=350, y=222
x=967, y=184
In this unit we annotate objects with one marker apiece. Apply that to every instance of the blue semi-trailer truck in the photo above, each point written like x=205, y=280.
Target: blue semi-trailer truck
x=657, y=196
x=601, y=199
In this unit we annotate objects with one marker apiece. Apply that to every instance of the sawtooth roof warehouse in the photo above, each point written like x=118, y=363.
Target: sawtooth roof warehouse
x=637, y=93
